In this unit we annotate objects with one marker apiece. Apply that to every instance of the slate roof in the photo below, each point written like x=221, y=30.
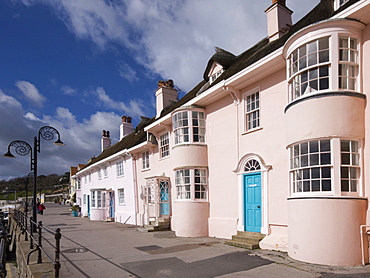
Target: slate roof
x=233, y=64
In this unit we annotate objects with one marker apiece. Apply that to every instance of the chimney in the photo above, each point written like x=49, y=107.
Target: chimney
x=279, y=19
x=166, y=94
x=126, y=127
x=105, y=140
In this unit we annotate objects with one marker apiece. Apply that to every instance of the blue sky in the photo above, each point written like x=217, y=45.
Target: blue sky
x=79, y=65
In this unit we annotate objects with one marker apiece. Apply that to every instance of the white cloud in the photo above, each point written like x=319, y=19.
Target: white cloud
x=31, y=116
x=127, y=72
x=174, y=39
x=67, y=90
x=31, y=93
x=82, y=137
x=135, y=108
x=8, y=101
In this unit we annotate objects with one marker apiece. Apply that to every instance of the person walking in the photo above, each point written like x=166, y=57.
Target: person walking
x=41, y=208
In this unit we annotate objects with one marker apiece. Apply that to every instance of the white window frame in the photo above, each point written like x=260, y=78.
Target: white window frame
x=191, y=184
x=145, y=156
x=120, y=169
x=339, y=3
x=99, y=174
x=98, y=198
x=311, y=167
x=84, y=199
x=215, y=76
x=338, y=168
x=348, y=63
x=309, y=68
x=338, y=69
x=252, y=110
x=164, y=143
x=105, y=170
x=89, y=177
x=189, y=126
x=93, y=198
x=121, y=196
x=350, y=167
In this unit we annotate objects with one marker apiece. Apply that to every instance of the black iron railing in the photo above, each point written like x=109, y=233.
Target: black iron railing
x=37, y=239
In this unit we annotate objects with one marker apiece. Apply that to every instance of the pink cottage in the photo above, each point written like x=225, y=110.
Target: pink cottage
x=272, y=143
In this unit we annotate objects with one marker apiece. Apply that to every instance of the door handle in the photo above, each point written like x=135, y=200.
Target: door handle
x=258, y=206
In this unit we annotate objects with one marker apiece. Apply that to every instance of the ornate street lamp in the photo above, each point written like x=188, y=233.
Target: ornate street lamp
x=26, y=182
x=23, y=148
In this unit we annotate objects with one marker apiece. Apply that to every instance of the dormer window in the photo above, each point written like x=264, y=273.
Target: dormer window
x=339, y=3
x=216, y=75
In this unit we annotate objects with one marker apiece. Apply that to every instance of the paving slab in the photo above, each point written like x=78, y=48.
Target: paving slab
x=108, y=249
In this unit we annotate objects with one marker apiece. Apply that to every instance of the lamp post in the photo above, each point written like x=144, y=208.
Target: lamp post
x=23, y=148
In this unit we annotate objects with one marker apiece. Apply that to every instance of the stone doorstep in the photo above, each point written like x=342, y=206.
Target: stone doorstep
x=247, y=240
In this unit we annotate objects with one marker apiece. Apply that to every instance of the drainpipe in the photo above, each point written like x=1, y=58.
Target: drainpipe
x=363, y=230
x=134, y=172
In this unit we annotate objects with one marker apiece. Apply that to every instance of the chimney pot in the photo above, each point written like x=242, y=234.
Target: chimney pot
x=124, y=119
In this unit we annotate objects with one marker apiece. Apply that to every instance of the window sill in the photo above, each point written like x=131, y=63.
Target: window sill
x=145, y=170
x=191, y=201
x=252, y=130
x=326, y=197
x=165, y=157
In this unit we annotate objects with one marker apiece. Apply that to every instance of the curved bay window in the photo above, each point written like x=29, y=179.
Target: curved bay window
x=323, y=167
x=327, y=63
x=189, y=127
x=191, y=184
x=309, y=68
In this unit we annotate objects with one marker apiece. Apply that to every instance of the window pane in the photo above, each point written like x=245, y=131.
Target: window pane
x=325, y=172
x=302, y=51
x=324, y=56
x=306, y=174
x=324, y=71
x=304, y=161
x=325, y=158
x=314, y=159
x=304, y=148
x=306, y=186
x=315, y=185
x=344, y=173
x=314, y=85
x=345, y=185
x=345, y=145
x=346, y=159
x=315, y=173
x=313, y=73
x=353, y=185
x=324, y=83
x=325, y=145
x=326, y=185
x=312, y=47
x=324, y=43
x=314, y=147
x=312, y=59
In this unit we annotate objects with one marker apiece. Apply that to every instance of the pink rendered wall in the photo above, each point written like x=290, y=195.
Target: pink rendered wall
x=339, y=116
x=228, y=143
x=191, y=218
x=326, y=230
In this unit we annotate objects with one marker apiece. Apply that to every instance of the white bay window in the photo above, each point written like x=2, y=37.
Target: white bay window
x=323, y=167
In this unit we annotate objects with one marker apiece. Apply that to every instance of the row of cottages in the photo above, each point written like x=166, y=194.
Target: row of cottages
x=272, y=141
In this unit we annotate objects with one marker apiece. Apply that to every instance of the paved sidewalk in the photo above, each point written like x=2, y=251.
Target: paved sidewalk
x=107, y=249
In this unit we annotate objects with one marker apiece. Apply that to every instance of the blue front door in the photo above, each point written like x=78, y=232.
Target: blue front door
x=111, y=204
x=252, y=202
x=164, y=198
x=88, y=206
